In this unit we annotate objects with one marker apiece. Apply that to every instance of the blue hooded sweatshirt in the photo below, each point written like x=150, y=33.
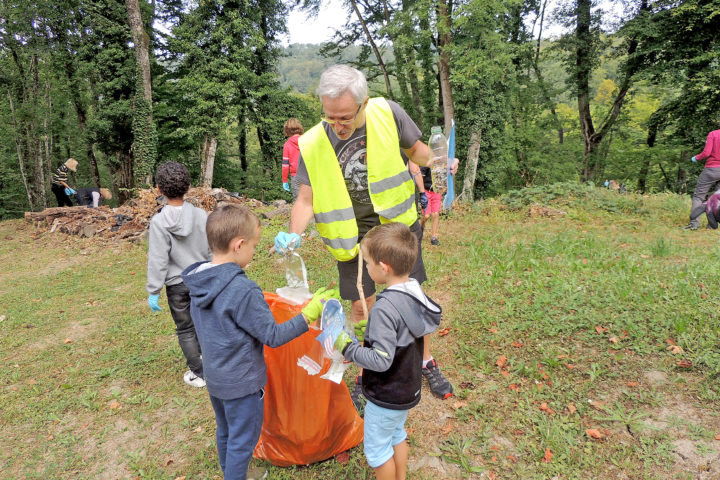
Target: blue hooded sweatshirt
x=233, y=322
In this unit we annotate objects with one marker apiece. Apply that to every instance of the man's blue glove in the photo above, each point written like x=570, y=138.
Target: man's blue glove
x=70, y=191
x=607, y=183
x=343, y=340
x=153, y=302
x=423, y=201
x=284, y=241
x=286, y=186
x=693, y=159
x=313, y=310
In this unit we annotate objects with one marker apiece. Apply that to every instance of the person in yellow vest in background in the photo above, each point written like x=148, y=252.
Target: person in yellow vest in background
x=352, y=177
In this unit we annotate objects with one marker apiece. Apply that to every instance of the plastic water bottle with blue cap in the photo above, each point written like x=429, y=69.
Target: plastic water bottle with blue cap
x=438, y=159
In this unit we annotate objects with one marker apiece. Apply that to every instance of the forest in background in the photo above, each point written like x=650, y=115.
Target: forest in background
x=124, y=86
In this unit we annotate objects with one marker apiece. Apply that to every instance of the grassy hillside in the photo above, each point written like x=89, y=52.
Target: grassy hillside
x=596, y=316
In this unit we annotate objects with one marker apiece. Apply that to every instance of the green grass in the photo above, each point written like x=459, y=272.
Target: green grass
x=582, y=306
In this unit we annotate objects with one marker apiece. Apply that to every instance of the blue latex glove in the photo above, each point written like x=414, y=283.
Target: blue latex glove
x=360, y=329
x=284, y=240
x=423, y=201
x=343, y=340
x=607, y=184
x=70, y=191
x=313, y=310
x=153, y=302
x=286, y=186
x=693, y=159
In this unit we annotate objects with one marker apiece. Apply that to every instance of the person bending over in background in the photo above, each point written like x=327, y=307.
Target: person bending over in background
x=708, y=177
x=176, y=240
x=60, y=187
x=292, y=129
x=90, y=197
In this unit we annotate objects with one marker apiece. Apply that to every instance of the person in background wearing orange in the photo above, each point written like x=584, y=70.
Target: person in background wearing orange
x=291, y=152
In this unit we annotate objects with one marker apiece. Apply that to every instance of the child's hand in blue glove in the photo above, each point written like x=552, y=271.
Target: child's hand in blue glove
x=153, y=302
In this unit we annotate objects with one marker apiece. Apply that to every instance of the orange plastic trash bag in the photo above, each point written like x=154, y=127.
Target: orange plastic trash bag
x=307, y=419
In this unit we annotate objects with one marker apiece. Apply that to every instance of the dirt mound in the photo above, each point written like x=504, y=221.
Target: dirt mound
x=129, y=221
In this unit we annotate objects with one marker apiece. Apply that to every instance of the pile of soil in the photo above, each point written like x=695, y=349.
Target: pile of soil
x=130, y=221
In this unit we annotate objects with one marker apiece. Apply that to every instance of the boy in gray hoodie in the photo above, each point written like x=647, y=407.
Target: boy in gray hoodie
x=177, y=239
x=392, y=351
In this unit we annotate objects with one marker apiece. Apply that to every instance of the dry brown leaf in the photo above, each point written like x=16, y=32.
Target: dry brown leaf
x=632, y=384
x=594, y=433
x=548, y=456
x=443, y=331
x=501, y=361
x=115, y=405
x=599, y=329
x=491, y=474
x=517, y=344
x=569, y=366
x=613, y=339
x=717, y=437
x=514, y=387
x=670, y=341
x=544, y=408
x=68, y=340
x=675, y=349
x=598, y=405
x=685, y=364
x=493, y=330
x=512, y=458
x=518, y=431
x=703, y=296
x=343, y=458
x=571, y=408
x=447, y=429
x=504, y=373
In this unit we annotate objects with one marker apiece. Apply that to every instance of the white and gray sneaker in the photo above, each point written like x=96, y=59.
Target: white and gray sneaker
x=193, y=380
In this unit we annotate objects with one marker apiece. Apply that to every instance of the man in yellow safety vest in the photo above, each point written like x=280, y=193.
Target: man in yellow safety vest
x=352, y=176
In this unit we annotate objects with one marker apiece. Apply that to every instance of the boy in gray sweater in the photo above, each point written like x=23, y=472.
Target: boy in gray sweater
x=177, y=240
x=392, y=351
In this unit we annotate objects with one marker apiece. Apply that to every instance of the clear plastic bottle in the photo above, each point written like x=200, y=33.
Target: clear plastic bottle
x=295, y=272
x=439, y=160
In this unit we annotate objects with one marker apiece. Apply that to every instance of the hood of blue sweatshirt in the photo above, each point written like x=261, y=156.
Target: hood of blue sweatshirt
x=207, y=280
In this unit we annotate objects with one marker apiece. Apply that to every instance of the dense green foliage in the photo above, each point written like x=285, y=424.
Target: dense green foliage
x=222, y=87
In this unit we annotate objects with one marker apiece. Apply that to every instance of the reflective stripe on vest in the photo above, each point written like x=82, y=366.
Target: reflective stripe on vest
x=392, y=191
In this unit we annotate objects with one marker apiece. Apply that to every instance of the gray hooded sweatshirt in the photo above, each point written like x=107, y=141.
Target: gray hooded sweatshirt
x=176, y=240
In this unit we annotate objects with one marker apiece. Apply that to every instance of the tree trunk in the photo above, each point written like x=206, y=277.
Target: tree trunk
x=242, y=141
x=643, y=173
x=142, y=47
x=18, y=146
x=207, y=162
x=374, y=47
x=473, y=157
x=444, y=64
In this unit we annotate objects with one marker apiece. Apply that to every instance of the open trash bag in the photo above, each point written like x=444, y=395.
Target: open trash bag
x=307, y=419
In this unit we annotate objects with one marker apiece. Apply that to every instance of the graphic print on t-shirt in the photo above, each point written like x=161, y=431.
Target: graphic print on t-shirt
x=353, y=162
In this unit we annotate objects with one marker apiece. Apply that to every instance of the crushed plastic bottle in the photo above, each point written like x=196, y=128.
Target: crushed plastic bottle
x=439, y=159
x=297, y=290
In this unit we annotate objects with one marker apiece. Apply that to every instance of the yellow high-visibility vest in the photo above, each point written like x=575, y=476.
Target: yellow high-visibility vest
x=392, y=191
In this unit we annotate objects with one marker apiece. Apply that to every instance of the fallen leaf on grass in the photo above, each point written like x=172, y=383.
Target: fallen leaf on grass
x=569, y=366
x=685, y=364
x=548, y=456
x=717, y=437
x=343, y=458
x=512, y=458
x=514, y=387
x=68, y=340
x=594, y=433
x=544, y=408
x=493, y=330
x=505, y=373
x=670, y=341
x=448, y=428
x=675, y=349
x=597, y=405
x=167, y=462
x=600, y=329
x=443, y=331
x=115, y=405
x=703, y=296
x=491, y=475
x=501, y=361
x=517, y=344
x=571, y=408
x=632, y=384
x=613, y=340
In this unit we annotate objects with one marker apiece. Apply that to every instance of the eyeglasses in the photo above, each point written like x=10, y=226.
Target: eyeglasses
x=344, y=123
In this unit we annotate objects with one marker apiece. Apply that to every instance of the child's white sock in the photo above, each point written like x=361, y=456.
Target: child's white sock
x=425, y=362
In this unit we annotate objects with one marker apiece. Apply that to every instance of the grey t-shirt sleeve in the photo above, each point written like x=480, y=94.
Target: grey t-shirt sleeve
x=408, y=134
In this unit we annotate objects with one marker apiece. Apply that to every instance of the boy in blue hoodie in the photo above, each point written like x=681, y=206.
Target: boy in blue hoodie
x=233, y=322
x=392, y=351
x=177, y=239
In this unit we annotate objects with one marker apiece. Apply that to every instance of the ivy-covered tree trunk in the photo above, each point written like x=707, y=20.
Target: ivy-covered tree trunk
x=444, y=63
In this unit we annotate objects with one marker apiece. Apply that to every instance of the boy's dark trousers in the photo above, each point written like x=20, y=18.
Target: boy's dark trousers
x=60, y=195
x=178, y=296
x=239, y=422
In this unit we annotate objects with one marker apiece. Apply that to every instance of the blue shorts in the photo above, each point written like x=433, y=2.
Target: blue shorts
x=384, y=428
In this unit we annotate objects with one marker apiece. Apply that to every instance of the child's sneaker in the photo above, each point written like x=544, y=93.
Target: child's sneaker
x=193, y=380
x=439, y=385
x=434, y=241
